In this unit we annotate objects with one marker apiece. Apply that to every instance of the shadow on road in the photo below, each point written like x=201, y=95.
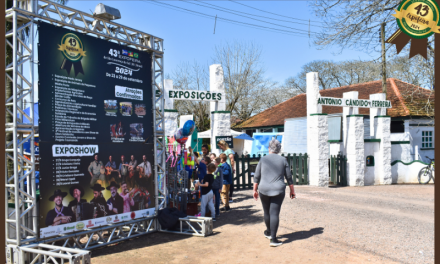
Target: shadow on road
x=300, y=235
x=239, y=215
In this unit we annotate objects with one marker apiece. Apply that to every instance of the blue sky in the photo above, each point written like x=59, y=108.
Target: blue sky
x=188, y=37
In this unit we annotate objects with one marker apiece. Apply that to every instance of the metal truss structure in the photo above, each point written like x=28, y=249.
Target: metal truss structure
x=193, y=226
x=22, y=222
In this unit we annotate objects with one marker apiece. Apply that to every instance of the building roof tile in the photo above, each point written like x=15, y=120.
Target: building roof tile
x=406, y=100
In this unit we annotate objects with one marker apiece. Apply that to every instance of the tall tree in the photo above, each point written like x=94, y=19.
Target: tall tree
x=193, y=77
x=245, y=83
x=356, y=25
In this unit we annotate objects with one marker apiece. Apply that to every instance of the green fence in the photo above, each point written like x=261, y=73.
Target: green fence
x=338, y=170
x=245, y=167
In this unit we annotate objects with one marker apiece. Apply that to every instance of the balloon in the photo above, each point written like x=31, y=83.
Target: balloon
x=182, y=140
x=178, y=134
x=188, y=127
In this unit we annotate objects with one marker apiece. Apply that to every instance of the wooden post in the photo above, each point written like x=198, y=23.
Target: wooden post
x=248, y=162
x=294, y=159
x=436, y=62
x=306, y=171
x=384, y=63
x=300, y=169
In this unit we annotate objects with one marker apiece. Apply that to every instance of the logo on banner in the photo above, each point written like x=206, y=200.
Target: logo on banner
x=130, y=54
x=80, y=226
x=124, y=217
x=116, y=219
x=124, y=52
x=67, y=228
x=109, y=219
x=90, y=224
x=133, y=215
x=417, y=19
x=73, y=51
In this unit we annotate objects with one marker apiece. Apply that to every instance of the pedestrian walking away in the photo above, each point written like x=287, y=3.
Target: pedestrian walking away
x=270, y=187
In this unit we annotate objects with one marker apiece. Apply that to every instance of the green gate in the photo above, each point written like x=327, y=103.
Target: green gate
x=338, y=170
x=245, y=168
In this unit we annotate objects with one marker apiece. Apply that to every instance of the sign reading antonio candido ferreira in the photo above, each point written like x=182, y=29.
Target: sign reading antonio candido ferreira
x=194, y=95
x=354, y=102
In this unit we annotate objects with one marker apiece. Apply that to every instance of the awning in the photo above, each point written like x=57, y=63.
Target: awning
x=244, y=136
x=207, y=134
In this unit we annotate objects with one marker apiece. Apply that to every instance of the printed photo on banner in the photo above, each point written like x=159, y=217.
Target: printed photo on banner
x=140, y=110
x=136, y=130
x=117, y=132
x=109, y=185
x=111, y=107
x=126, y=108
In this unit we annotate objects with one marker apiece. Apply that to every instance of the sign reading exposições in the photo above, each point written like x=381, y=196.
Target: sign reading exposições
x=193, y=95
x=354, y=102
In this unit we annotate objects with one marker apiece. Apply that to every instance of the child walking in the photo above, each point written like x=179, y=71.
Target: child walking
x=217, y=186
x=206, y=190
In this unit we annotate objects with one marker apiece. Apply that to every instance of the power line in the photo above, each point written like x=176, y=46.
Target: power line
x=230, y=20
x=248, y=17
x=260, y=16
x=275, y=13
x=235, y=22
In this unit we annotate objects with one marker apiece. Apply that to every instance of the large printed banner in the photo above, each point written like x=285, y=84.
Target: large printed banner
x=96, y=132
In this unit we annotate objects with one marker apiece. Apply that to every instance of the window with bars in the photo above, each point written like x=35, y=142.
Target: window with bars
x=427, y=139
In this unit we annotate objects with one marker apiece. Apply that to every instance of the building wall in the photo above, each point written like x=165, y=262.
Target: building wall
x=371, y=172
x=415, y=127
x=406, y=172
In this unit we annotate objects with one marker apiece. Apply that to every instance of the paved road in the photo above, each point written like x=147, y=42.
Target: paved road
x=375, y=224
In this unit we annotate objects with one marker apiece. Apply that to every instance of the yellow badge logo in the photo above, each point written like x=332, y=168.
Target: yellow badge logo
x=418, y=18
x=80, y=226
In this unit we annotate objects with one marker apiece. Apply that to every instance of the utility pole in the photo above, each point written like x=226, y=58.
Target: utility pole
x=384, y=63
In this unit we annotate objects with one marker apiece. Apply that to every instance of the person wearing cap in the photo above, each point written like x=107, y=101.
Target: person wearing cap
x=98, y=201
x=77, y=192
x=60, y=214
x=115, y=202
x=230, y=160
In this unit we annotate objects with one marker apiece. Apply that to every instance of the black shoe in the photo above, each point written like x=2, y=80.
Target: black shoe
x=275, y=243
x=267, y=234
x=228, y=208
x=223, y=209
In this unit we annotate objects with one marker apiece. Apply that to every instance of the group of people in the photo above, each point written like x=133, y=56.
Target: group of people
x=129, y=172
x=139, y=109
x=79, y=209
x=215, y=179
x=108, y=106
x=213, y=176
x=126, y=109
